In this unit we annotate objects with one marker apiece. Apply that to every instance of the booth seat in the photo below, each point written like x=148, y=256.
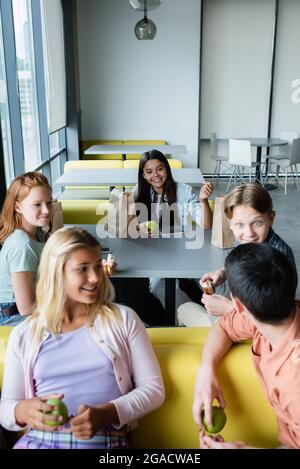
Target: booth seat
x=137, y=156
x=88, y=143
x=249, y=416
x=133, y=164
x=92, y=164
x=84, y=211
x=85, y=144
x=79, y=202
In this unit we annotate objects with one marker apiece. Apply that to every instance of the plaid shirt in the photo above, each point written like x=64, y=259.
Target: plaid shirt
x=274, y=241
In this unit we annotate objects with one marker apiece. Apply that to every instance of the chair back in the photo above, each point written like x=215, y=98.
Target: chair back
x=295, y=151
x=240, y=152
x=213, y=145
x=288, y=136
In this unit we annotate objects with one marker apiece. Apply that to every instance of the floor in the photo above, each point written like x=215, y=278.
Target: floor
x=287, y=221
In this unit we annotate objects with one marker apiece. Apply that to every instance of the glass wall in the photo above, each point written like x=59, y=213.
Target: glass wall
x=27, y=83
x=4, y=114
x=26, y=142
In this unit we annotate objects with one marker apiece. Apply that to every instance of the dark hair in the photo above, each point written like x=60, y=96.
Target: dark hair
x=143, y=192
x=252, y=194
x=264, y=280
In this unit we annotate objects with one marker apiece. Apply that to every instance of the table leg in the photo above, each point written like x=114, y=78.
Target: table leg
x=258, y=160
x=170, y=296
x=267, y=186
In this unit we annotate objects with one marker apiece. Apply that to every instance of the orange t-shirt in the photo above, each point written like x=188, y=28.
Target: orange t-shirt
x=278, y=369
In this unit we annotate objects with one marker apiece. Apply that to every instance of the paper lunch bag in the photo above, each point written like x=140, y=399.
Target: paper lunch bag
x=120, y=213
x=221, y=235
x=57, y=216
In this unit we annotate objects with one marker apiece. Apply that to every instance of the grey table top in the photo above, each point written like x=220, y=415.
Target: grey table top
x=111, y=177
x=162, y=257
x=133, y=149
x=255, y=142
x=267, y=142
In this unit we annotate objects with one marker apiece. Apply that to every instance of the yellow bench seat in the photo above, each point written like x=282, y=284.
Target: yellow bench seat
x=250, y=418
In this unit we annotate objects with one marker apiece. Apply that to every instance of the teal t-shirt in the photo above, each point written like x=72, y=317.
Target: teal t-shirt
x=19, y=253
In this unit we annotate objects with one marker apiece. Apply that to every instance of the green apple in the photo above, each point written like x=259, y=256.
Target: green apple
x=60, y=409
x=151, y=226
x=218, y=420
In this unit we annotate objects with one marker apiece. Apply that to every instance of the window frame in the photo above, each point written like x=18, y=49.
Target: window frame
x=14, y=105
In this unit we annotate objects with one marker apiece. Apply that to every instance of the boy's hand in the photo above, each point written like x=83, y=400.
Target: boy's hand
x=217, y=305
x=217, y=277
x=217, y=442
x=205, y=191
x=206, y=389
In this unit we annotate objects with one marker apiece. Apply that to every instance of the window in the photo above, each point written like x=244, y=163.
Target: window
x=4, y=113
x=24, y=76
x=27, y=83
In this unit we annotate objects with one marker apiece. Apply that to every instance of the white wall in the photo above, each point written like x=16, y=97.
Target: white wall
x=286, y=113
x=236, y=70
x=150, y=89
x=134, y=89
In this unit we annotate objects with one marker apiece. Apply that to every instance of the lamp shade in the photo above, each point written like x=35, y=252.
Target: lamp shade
x=145, y=29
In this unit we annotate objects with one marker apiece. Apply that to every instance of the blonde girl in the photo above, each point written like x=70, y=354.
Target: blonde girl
x=79, y=346
x=26, y=210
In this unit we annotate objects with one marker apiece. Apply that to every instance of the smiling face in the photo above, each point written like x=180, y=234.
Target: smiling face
x=155, y=174
x=82, y=275
x=36, y=208
x=249, y=225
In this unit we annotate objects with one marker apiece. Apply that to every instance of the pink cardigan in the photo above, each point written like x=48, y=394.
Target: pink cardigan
x=127, y=345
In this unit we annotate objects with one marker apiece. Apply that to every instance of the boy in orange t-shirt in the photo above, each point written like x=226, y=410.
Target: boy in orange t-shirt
x=263, y=283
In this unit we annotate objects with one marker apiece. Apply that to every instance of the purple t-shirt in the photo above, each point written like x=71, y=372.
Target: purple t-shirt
x=73, y=364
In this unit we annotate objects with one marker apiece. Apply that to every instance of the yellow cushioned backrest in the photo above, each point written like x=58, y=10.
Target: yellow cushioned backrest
x=91, y=164
x=249, y=416
x=88, y=164
x=136, y=156
x=84, y=212
x=131, y=164
x=175, y=164
x=4, y=334
x=85, y=144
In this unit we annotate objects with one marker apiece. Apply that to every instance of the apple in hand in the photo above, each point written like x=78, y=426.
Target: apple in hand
x=151, y=226
x=218, y=420
x=60, y=410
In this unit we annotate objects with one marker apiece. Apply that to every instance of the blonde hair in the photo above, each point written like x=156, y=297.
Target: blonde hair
x=50, y=295
x=252, y=194
x=18, y=190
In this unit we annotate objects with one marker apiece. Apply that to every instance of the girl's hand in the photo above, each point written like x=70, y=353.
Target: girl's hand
x=89, y=420
x=205, y=191
x=217, y=305
x=33, y=412
x=108, y=268
x=148, y=229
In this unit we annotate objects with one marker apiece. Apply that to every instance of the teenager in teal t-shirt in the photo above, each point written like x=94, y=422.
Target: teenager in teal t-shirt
x=26, y=210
